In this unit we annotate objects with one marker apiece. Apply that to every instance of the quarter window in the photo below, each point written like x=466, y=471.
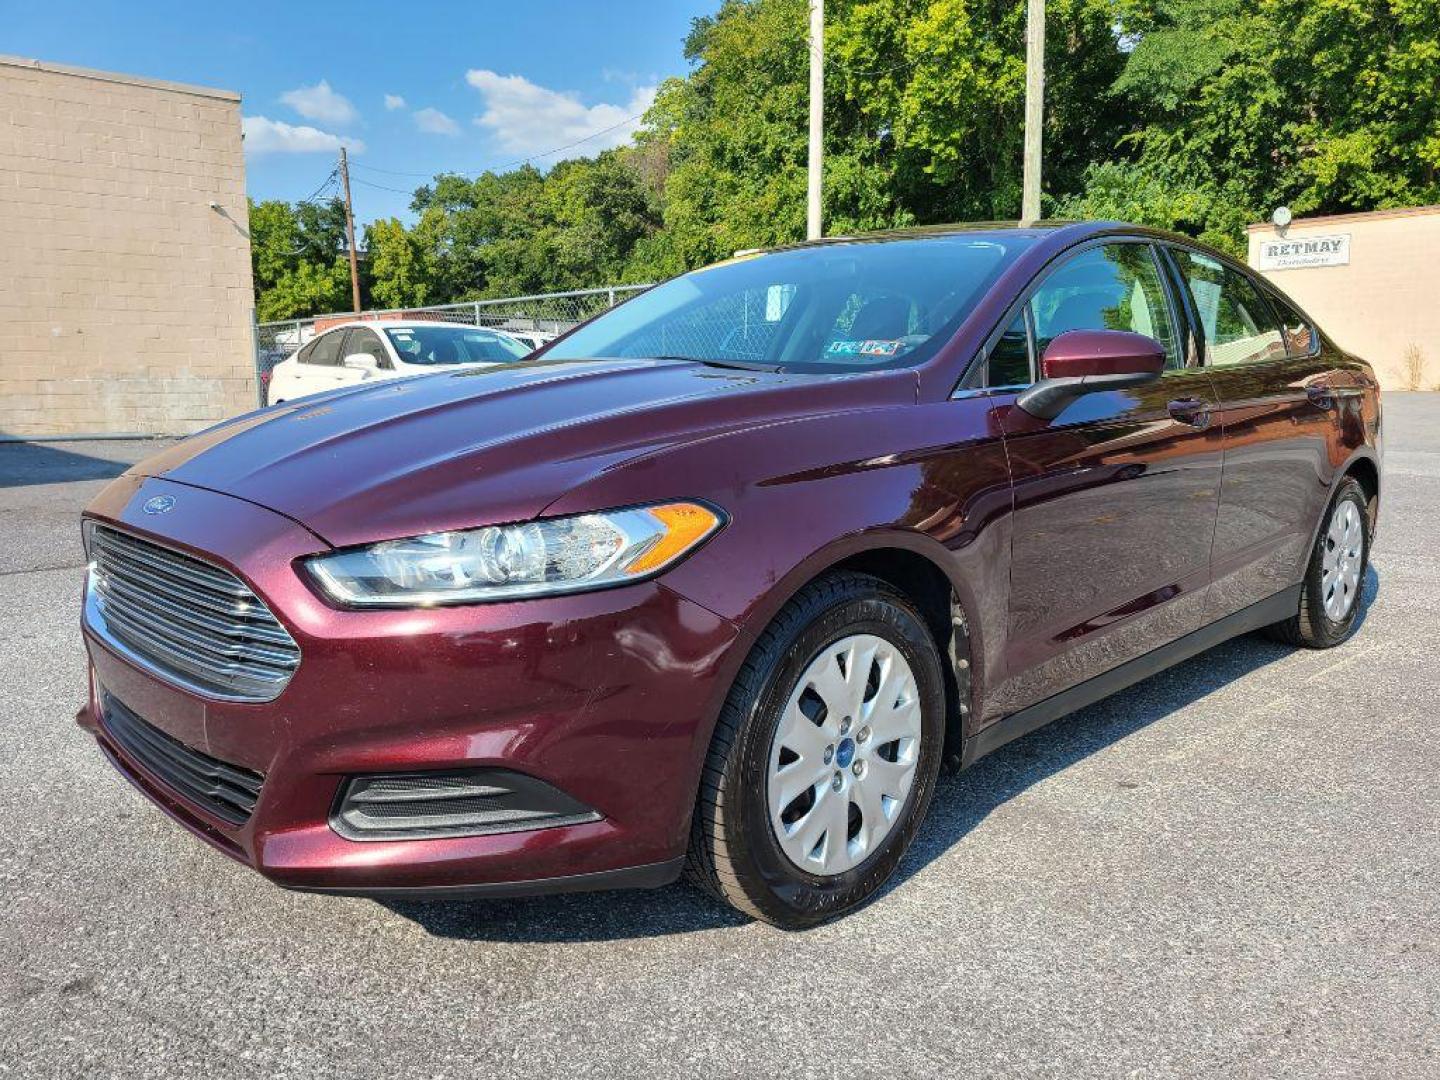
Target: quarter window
x=1238, y=325
x=1114, y=287
x=1299, y=335
x=1009, y=363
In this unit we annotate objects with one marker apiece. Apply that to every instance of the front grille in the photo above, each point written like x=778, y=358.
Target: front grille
x=185, y=619
x=226, y=791
x=463, y=802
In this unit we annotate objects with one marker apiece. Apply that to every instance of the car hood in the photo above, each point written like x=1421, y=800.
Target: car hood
x=484, y=446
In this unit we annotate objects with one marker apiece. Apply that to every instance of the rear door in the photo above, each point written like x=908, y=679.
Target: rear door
x=1279, y=389
x=1115, y=498
x=318, y=365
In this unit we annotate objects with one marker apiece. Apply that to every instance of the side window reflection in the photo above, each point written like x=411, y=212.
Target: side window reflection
x=1115, y=287
x=1238, y=326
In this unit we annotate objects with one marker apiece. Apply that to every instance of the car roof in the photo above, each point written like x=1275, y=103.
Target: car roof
x=410, y=324
x=1062, y=230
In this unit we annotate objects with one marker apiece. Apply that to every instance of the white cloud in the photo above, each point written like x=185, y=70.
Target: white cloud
x=393, y=102
x=526, y=118
x=266, y=136
x=319, y=102
x=435, y=122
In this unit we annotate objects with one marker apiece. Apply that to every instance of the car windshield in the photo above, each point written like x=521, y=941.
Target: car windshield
x=437, y=345
x=843, y=306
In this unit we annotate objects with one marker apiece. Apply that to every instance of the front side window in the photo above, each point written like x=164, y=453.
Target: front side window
x=841, y=306
x=365, y=342
x=1113, y=287
x=438, y=346
x=1238, y=325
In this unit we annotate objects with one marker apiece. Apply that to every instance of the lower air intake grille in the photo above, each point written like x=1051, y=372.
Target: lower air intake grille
x=471, y=802
x=226, y=791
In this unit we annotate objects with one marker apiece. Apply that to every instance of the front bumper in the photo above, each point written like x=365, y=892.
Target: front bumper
x=607, y=696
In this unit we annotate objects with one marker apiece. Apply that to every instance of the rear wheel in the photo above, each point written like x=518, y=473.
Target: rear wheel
x=825, y=756
x=1335, y=578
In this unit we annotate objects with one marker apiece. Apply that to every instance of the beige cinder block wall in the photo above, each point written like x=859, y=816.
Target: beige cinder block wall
x=1385, y=299
x=125, y=299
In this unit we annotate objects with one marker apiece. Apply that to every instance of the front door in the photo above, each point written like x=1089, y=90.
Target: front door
x=1115, y=498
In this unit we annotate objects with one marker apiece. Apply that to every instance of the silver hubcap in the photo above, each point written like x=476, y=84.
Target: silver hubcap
x=844, y=755
x=1340, y=562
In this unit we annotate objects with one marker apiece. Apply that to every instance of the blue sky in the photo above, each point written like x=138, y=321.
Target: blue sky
x=411, y=88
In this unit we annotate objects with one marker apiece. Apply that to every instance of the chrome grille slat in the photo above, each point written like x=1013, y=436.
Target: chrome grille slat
x=234, y=660
x=196, y=619
x=172, y=561
x=190, y=622
x=145, y=580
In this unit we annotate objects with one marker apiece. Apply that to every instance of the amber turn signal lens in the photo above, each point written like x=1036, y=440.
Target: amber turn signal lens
x=686, y=524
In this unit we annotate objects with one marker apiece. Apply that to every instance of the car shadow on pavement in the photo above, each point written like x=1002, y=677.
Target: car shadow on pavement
x=962, y=801
x=25, y=463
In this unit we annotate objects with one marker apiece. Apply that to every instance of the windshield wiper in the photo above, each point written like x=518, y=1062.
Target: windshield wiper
x=739, y=365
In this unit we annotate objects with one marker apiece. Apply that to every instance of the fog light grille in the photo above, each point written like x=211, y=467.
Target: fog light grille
x=470, y=802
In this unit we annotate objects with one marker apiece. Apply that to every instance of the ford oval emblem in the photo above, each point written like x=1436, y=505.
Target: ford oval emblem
x=160, y=504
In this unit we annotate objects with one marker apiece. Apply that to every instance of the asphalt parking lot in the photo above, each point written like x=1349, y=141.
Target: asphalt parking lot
x=1231, y=870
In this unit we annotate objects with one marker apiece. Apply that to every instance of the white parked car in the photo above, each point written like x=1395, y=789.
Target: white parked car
x=532, y=339
x=360, y=351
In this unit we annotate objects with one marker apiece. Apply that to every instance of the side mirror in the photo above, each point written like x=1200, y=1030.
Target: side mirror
x=362, y=362
x=1088, y=361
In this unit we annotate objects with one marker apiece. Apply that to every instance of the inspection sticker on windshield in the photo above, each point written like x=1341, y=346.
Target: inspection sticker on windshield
x=863, y=348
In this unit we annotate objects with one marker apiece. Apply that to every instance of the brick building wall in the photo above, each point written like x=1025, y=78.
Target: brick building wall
x=125, y=298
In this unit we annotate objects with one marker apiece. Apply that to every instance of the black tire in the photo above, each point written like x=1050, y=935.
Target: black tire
x=734, y=854
x=1310, y=627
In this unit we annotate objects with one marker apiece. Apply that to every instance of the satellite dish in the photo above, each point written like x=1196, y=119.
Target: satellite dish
x=1281, y=217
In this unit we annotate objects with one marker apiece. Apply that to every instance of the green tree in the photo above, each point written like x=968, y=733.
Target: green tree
x=298, y=259
x=396, y=269
x=1324, y=105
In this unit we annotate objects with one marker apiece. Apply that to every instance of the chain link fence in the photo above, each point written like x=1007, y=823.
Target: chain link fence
x=534, y=319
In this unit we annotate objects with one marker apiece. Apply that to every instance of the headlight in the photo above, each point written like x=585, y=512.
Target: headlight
x=504, y=562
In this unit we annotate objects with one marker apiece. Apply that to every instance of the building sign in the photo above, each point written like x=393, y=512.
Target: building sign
x=1295, y=254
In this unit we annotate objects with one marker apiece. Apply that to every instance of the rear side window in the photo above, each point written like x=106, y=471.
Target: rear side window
x=1238, y=325
x=324, y=350
x=1113, y=287
x=1300, y=337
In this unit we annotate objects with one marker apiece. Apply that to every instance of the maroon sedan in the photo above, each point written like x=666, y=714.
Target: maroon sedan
x=719, y=581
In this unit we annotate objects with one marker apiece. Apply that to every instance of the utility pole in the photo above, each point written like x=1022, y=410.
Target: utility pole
x=813, y=224
x=1034, y=108
x=350, y=232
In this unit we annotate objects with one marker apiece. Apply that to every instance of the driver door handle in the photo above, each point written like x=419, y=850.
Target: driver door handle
x=1191, y=411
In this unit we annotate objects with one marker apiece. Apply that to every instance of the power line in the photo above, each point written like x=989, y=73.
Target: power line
x=329, y=179
x=381, y=187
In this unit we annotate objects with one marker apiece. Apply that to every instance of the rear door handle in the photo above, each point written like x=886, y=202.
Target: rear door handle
x=1321, y=395
x=1191, y=411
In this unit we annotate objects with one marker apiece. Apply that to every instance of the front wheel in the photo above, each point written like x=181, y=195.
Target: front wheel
x=1335, y=576
x=825, y=756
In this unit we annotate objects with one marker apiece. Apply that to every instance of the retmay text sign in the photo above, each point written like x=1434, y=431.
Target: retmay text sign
x=1305, y=252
